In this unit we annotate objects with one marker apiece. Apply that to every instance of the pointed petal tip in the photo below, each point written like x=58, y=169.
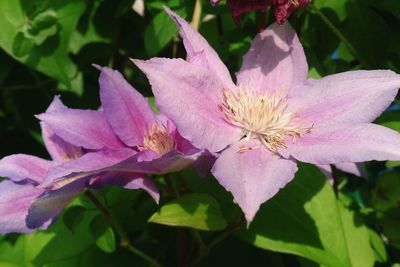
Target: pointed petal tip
x=100, y=68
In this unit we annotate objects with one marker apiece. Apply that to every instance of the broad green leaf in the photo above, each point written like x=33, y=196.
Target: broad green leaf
x=306, y=219
x=25, y=249
x=339, y=7
x=103, y=233
x=158, y=33
x=199, y=211
x=50, y=57
x=65, y=244
x=106, y=242
x=378, y=246
x=73, y=216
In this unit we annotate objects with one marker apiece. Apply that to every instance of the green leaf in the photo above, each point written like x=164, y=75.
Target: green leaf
x=103, y=233
x=392, y=164
x=106, y=242
x=25, y=249
x=22, y=45
x=378, y=246
x=73, y=216
x=53, y=29
x=306, y=219
x=65, y=244
x=158, y=33
x=199, y=211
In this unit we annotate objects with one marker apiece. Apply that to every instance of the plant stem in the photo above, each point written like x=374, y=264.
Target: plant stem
x=196, y=15
x=124, y=239
x=207, y=248
x=338, y=33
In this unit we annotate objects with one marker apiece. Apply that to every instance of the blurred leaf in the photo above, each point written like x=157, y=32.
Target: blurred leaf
x=392, y=164
x=158, y=33
x=378, y=246
x=199, y=211
x=103, y=233
x=367, y=31
x=25, y=249
x=22, y=45
x=66, y=244
x=51, y=56
x=339, y=7
x=306, y=219
x=73, y=216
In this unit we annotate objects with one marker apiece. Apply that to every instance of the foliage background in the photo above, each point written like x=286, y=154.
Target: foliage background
x=47, y=48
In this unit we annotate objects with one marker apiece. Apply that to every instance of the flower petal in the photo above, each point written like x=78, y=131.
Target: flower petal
x=275, y=60
x=89, y=163
x=86, y=128
x=196, y=45
x=133, y=181
x=20, y=167
x=348, y=167
x=146, y=162
x=253, y=176
x=59, y=149
x=51, y=203
x=127, y=111
x=353, y=143
x=15, y=200
x=189, y=95
x=346, y=98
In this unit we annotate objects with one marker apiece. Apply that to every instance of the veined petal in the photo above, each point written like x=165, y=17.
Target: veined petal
x=59, y=149
x=20, y=167
x=89, y=163
x=197, y=46
x=346, y=98
x=189, y=95
x=275, y=60
x=85, y=128
x=351, y=143
x=253, y=176
x=15, y=200
x=50, y=204
x=126, y=110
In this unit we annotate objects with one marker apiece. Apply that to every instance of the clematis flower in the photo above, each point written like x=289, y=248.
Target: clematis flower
x=282, y=8
x=273, y=116
x=160, y=148
x=36, y=190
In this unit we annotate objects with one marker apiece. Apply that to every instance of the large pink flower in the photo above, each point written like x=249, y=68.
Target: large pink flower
x=274, y=115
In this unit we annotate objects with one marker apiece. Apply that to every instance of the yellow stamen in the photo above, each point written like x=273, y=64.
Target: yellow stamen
x=262, y=117
x=158, y=140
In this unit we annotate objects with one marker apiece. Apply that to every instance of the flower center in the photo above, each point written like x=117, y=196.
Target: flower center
x=262, y=117
x=158, y=140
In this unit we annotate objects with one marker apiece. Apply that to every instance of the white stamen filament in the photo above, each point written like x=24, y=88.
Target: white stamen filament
x=262, y=117
x=158, y=140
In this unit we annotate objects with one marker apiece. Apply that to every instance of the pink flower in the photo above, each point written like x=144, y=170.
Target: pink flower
x=36, y=190
x=273, y=116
